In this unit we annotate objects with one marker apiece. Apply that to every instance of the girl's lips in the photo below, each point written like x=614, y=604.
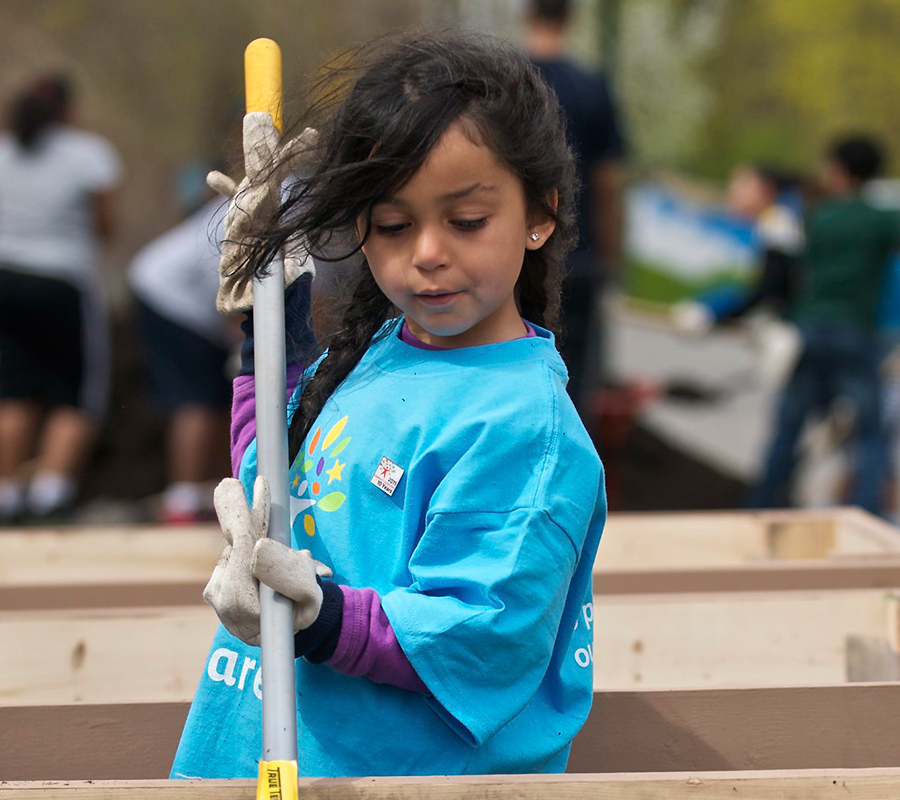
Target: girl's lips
x=437, y=299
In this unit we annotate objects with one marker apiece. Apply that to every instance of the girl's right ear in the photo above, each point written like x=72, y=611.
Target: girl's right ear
x=361, y=227
x=361, y=230
x=541, y=227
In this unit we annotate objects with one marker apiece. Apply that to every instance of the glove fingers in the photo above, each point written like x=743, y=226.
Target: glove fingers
x=231, y=508
x=221, y=184
x=234, y=595
x=322, y=571
x=297, y=151
x=288, y=572
x=260, y=143
x=259, y=514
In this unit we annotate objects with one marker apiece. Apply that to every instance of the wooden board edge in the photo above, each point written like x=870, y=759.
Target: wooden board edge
x=769, y=576
x=871, y=784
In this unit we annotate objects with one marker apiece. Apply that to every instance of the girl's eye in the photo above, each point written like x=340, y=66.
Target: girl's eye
x=388, y=230
x=470, y=224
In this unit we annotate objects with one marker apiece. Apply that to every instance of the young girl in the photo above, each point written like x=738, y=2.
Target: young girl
x=439, y=470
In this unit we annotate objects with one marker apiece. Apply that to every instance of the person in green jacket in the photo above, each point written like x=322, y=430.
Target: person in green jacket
x=848, y=246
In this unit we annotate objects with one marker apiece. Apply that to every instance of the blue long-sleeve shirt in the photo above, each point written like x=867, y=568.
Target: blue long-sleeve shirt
x=462, y=487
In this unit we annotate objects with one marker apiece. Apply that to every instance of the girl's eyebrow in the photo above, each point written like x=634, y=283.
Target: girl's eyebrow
x=457, y=195
x=475, y=187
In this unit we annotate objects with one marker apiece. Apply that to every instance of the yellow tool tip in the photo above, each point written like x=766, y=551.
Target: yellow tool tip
x=262, y=75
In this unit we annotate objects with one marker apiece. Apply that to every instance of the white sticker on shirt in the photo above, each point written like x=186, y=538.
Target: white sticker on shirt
x=387, y=476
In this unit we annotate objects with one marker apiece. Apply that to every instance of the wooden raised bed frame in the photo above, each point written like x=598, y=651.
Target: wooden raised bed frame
x=639, y=554
x=823, y=727
x=640, y=641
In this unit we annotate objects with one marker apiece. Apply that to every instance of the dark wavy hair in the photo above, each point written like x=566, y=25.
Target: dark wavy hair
x=862, y=157
x=406, y=96
x=44, y=102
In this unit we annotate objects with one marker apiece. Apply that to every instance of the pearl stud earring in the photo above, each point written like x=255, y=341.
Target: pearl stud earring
x=535, y=237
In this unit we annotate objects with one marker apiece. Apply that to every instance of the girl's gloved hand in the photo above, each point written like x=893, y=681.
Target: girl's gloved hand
x=254, y=202
x=249, y=557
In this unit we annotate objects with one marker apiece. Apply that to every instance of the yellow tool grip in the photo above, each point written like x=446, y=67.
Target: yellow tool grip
x=277, y=780
x=262, y=77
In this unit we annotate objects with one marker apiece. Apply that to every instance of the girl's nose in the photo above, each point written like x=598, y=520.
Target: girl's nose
x=429, y=252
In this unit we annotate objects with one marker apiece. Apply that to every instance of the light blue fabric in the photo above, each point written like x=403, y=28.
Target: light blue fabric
x=482, y=557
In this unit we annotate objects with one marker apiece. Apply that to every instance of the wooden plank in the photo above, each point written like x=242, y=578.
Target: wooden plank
x=734, y=639
x=880, y=572
x=858, y=531
x=147, y=554
x=95, y=656
x=714, y=539
x=109, y=741
x=803, y=538
x=776, y=785
x=819, y=727
x=841, y=727
x=844, y=572
x=117, y=555
x=650, y=641
x=145, y=565
x=643, y=540
x=101, y=595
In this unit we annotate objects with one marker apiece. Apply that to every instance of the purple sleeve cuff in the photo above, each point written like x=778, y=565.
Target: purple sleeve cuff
x=368, y=647
x=243, y=412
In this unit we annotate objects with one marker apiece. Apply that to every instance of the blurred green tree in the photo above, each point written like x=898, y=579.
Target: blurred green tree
x=789, y=76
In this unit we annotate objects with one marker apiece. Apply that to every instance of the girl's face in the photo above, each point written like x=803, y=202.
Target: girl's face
x=447, y=247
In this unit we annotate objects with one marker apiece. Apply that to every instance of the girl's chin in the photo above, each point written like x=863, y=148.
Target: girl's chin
x=441, y=324
x=441, y=332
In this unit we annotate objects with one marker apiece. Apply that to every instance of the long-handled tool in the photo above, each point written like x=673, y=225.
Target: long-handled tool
x=278, y=765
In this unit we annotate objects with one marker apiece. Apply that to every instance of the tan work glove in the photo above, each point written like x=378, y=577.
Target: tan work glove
x=249, y=557
x=254, y=202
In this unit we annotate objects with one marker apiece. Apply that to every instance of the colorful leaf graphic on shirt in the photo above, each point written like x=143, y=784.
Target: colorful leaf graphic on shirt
x=308, y=487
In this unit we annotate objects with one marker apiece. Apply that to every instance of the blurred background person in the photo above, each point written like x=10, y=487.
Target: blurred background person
x=595, y=133
x=849, y=244
x=772, y=198
x=185, y=346
x=56, y=184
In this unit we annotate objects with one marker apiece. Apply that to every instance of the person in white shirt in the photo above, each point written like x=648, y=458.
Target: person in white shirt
x=56, y=185
x=186, y=344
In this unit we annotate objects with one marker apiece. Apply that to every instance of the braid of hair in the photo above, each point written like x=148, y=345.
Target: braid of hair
x=539, y=293
x=363, y=316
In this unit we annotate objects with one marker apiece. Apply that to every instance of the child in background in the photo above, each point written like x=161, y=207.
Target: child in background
x=771, y=198
x=450, y=498
x=185, y=345
x=848, y=247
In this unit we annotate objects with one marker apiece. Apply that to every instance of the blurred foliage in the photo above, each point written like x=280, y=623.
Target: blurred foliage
x=788, y=77
x=663, y=86
x=707, y=84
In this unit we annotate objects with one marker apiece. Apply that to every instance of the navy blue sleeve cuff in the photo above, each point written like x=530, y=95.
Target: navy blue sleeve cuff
x=299, y=338
x=318, y=642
